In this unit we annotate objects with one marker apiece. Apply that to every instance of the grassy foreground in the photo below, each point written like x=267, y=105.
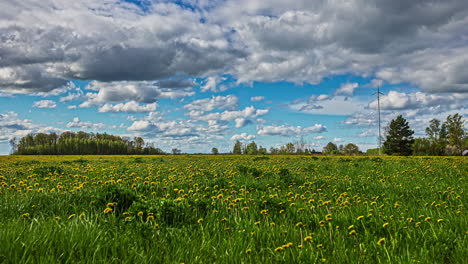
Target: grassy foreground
x=233, y=209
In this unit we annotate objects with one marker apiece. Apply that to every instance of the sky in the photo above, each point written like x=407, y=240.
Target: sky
x=198, y=74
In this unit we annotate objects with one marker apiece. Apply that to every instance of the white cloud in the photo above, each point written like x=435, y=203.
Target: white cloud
x=347, y=89
x=84, y=125
x=216, y=102
x=242, y=122
x=248, y=112
x=318, y=137
x=243, y=136
x=337, y=105
x=336, y=140
x=212, y=83
x=257, y=98
x=129, y=107
x=12, y=125
x=290, y=131
x=44, y=104
x=401, y=101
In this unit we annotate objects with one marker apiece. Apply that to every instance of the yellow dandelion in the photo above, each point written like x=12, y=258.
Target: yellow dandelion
x=320, y=246
x=57, y=218
x=140, y=213
x=108, y=210
x=278, y=249
x=440, y=220
x=200, y=220
x=360, y=217
x=299, y=224
x=308, y=238
x=264, y=212
x=149, y=218
x=71, y=216
x=299, y=246
x=428, y=219
x=350, y=227
x=381, y=241
x=248, y=251
x=352, y=233
x=385, y=225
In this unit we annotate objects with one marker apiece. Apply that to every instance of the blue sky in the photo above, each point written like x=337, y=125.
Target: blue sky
x=201, y=74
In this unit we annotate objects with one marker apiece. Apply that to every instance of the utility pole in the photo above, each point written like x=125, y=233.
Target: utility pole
x=378, y=109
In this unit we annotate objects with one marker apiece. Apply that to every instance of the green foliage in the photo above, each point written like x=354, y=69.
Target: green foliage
x=399, y=138
x=80, y=143
x=330, y=148
x=456, y=133
x=214, y=151
x=237, y=148
x=351, y=149
x=251, y=149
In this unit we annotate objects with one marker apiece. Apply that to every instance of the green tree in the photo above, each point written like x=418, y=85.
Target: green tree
x=437, y=134
x=262, y=151
x=455, y=133
x=251, y=149
x=237, y=148
x=176, y=151
x=423, y=147
x=330, y=148
x=351, y=149
x=214, y=151
x=399, y=138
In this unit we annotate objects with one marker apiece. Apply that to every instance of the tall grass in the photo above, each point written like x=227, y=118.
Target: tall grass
x=232, y=209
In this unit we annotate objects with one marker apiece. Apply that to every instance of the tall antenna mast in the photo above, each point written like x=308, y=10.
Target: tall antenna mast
x=378, y=109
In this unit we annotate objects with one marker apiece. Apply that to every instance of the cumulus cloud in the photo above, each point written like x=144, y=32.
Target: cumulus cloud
x=346, y=89
x=248, y=112
x=12, y=125
x=212, y=83
x=243, y=136
x=290, y=131
x=85, y=125
x=418, y=42
x=129, y=107
x=242, y=122
x=216, y=102
x=44, y=104
x=400, y=101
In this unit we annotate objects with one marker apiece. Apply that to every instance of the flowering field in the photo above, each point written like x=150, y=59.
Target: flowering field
x=233, y=209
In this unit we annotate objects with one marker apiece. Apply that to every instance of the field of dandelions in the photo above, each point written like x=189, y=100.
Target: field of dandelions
x=233, y=209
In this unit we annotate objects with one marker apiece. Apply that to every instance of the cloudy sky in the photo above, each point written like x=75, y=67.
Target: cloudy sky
x=197, y=74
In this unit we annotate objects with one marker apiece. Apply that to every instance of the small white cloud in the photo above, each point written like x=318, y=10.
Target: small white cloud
x=129, y=107
x=216, y=102
x=242, y=122
x=347, y=89
x=243, y=136
x=257, y=98
x=318, y=137
x=45, y=104
x=337, y=140
x=290, y=131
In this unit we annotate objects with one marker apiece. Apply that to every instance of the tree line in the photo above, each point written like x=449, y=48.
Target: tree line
x=81, y=143
x=442, y=138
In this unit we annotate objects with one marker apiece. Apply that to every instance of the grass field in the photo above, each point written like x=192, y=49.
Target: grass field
x=233, y=209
